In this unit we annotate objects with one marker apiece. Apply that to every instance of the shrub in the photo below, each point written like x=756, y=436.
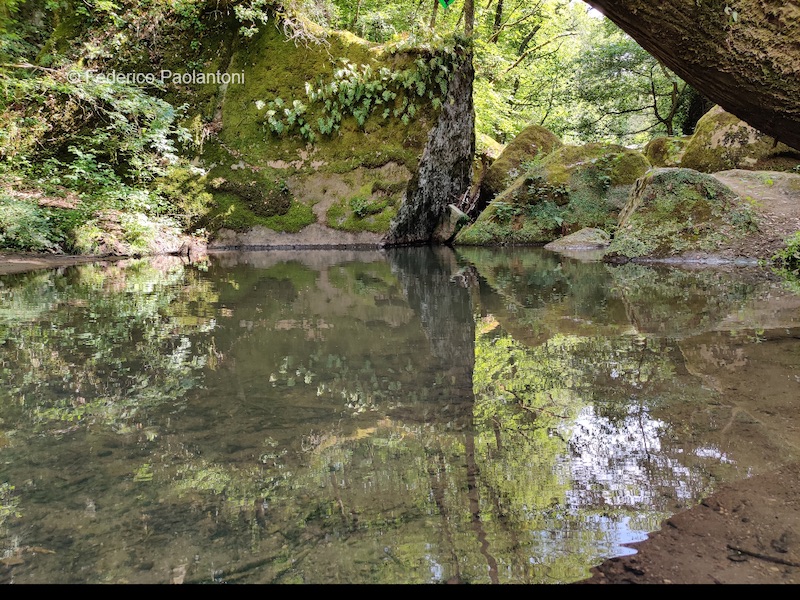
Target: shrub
x=25, y=226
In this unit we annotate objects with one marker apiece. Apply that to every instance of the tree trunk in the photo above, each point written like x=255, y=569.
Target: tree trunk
x=445, y=169
x=469, y=17
x=747, y=63
x=498, y=22
x=354, y=22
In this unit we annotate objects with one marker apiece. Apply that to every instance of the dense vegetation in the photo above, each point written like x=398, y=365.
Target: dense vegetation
x=93, y=164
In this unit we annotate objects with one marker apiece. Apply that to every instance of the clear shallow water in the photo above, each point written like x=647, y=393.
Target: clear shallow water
x=408, y=416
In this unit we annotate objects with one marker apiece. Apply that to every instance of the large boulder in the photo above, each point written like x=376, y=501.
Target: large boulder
x=666, y=151
x=676, y=213
x=531, y=143
x=722, y=141
x=610, y=165
x=572, y=188
x=488, y=146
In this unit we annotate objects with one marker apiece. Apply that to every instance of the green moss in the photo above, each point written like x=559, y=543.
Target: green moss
x=532, y=142
x=488, y=146
x=230, y=213
x=271, y=66
x=366, y=216
x=722, y=141
x=678, y=210
x=666, y=151
x=68, y=25
x=484, y=233
x=262, y=198
x=389, y=188
x=622, y=166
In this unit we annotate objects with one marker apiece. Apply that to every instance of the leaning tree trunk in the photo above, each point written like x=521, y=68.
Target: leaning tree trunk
x=742, y=54
x=445, y=169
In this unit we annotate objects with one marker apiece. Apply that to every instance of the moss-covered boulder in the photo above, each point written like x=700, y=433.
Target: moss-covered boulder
x=572, y=188
x=531, y=143
x=680, y=213
x=722, y=141
x=610, y=164
x=588, y=238
x=488, y=146
x=666, y=151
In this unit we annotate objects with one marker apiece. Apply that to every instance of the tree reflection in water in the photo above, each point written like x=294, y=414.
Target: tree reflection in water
x=408, y=416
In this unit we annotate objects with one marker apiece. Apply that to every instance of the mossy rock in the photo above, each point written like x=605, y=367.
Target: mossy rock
x=261, y=200
x=572, y=188
x=588, y=238
x=241, y=148
x=488, y=146
x=615, y=165
x=722, y=141
x=666, y=151
x=531, y=143
x=674, y=212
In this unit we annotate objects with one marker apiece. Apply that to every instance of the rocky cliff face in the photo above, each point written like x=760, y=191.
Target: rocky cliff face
x=445, y=169
x=744, y=55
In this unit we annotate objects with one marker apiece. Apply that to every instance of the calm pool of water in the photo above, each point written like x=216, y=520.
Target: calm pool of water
x=402, y=416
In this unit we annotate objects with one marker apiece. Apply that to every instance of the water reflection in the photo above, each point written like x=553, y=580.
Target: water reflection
x=409, y=416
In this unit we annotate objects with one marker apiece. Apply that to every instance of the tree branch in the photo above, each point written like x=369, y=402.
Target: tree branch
x=539, y=47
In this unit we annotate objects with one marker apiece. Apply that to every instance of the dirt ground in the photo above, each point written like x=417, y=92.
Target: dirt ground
x=746, y=533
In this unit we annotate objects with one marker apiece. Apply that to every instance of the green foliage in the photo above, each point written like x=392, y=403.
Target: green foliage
x=111, y=143
x=253, y=14
x=9, y=503
x=15, y=36
x=504, y=211
x=229, y=212
x=787, y=260
x=744, y=219
x=106, y=125
x=25, y=226
x=359, y=91
x=182, y=190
